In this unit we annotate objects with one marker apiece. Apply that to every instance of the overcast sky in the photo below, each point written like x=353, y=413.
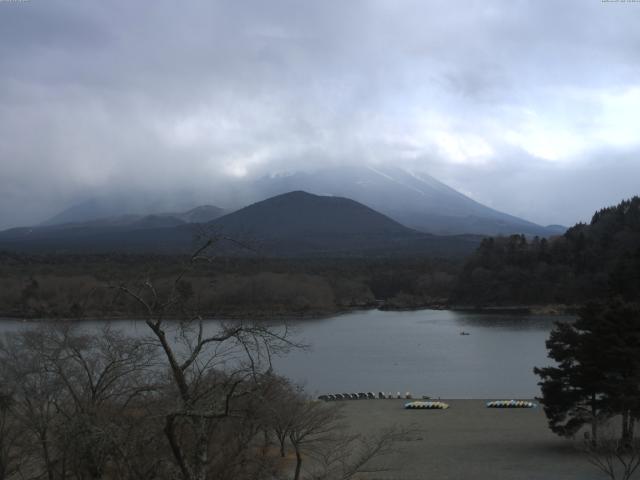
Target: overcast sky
x=531, y=107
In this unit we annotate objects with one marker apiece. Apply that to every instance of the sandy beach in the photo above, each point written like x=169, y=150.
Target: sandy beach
x=470, y=441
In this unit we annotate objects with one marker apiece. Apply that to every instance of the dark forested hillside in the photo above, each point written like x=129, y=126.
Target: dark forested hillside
x=300, y=224
x=589, y=261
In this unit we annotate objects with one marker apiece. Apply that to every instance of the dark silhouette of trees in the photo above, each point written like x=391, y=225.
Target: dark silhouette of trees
x=590, y=261
x=572, y=392
x=597, y=375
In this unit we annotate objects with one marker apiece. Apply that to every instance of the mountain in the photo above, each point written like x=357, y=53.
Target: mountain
x=119, y=206
x=164, y=232
x=299, y=223
x=86, y=211
x=418, y=201
x=201, y=214
x=301, y=214
x=147, y=235
x=556, y=229
x=293, y=224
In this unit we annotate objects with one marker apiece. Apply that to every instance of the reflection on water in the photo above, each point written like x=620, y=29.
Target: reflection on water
x=509, y=321
x=419, y=351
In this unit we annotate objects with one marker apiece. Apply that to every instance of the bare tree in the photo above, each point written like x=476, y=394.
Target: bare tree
x=346, y=456
x=312, y=423
x=11, y=456
x=73, y=392
x=281, y=401
x=103, y=375
x=240, y=451
x=618, y=458
x=208, y=370
x=36, y=393
x=316, y=431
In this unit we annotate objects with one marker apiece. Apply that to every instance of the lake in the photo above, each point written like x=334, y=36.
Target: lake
x=418, y=351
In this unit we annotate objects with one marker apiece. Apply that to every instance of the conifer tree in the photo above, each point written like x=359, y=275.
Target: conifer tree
x=597, y=375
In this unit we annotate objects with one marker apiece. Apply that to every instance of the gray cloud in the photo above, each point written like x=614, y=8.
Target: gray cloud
x=528, y=106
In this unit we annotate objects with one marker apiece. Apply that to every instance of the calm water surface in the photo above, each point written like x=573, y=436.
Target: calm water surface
x=423, y=352
x=419, y=351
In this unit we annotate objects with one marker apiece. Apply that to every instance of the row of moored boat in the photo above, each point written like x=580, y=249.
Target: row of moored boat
x=366, y=396
x=511, y=404
x=492, y=404
x=426, y=404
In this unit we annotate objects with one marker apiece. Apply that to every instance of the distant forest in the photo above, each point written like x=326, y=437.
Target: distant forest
x=84, y=285
x=589, y=261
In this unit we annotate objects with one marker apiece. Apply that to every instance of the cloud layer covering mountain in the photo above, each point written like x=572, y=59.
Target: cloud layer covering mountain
x=530, y=107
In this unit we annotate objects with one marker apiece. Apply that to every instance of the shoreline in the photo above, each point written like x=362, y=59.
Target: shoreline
x=433, y=399
x=550, y=310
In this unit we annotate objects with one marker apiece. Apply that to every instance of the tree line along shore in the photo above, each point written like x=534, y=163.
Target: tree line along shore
x=590, y=261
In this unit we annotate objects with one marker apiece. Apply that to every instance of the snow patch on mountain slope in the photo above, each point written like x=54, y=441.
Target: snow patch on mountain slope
x=399, y=182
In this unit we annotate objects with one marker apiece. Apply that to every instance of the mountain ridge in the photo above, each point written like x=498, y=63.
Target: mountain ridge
x=414, y=199
x=293, y=224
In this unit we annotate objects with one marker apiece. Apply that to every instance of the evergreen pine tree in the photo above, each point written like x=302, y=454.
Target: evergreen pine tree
x=598, y=370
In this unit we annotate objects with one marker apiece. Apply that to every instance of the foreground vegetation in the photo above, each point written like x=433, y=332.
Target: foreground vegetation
x=178, y=401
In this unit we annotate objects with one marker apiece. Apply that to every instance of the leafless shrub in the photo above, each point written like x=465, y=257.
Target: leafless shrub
x=618, y=459
x=210, y=372
x=72, y=394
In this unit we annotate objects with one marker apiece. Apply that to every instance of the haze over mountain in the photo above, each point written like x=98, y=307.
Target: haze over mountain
x=133, y=205
x=293, y=224
x=112, y=233
x=418, y=201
